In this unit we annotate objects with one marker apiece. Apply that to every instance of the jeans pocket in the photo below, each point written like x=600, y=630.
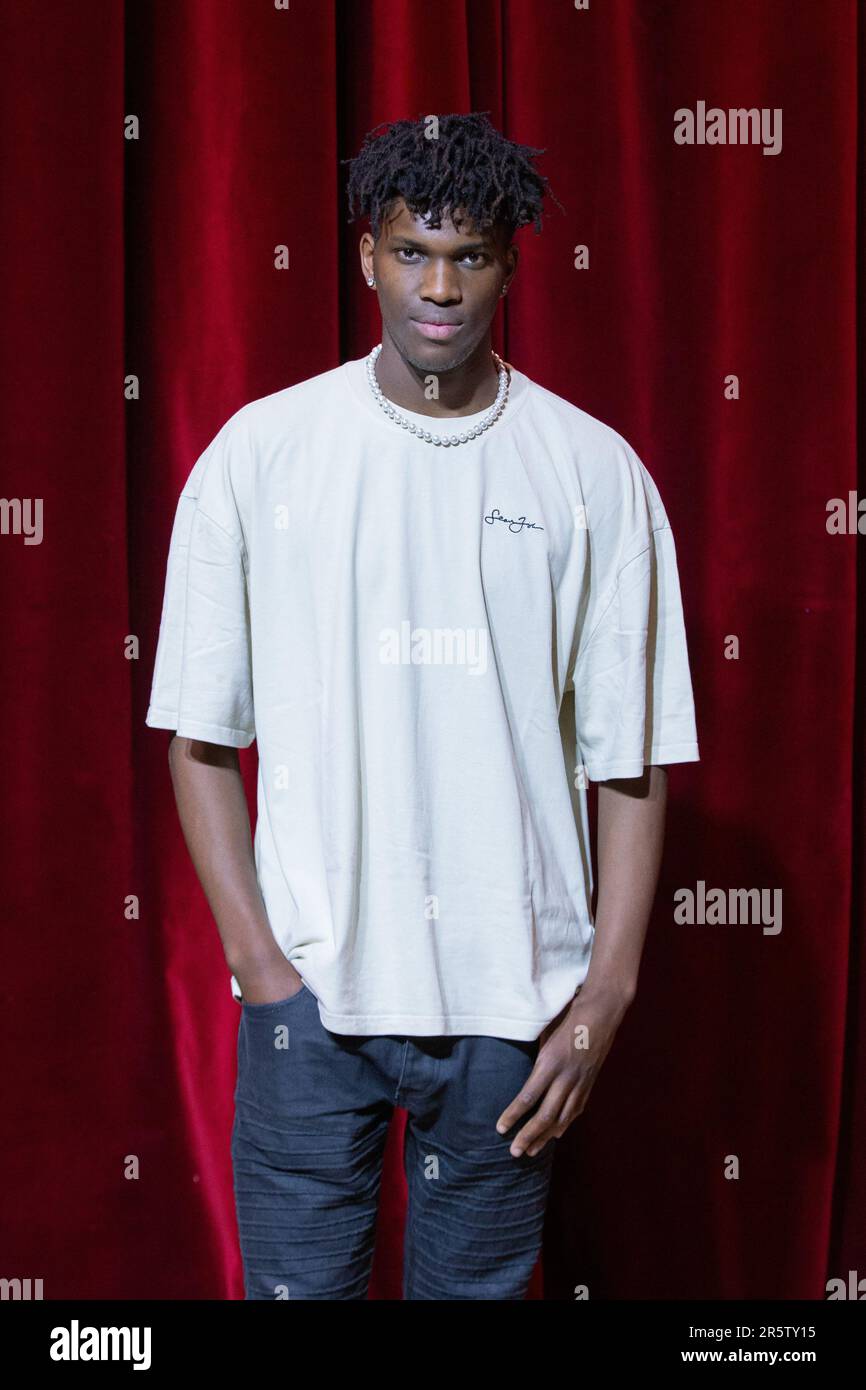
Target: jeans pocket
x=273, y=1006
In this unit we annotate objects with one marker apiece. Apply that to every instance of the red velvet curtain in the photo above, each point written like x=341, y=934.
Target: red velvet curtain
x=154, y=157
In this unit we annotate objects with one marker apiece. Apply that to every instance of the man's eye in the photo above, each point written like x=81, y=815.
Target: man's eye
x=473, y=256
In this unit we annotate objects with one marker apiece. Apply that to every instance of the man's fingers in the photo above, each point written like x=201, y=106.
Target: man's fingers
x=536, y=1132
x=540, y=1127
x=529, y=1095
x=573, y=1106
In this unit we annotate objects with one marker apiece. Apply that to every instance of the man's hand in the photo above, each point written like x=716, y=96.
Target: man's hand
x=573, y=1047
x=631, y=815
x=267, y=981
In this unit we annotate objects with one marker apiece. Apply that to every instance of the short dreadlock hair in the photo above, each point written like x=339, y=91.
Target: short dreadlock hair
x=469, y=165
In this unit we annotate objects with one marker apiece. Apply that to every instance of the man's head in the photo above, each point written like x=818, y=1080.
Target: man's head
x=444, y=196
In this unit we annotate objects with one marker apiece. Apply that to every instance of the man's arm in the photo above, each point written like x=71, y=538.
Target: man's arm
x=631, y=823
x=631, y=816
x=212, y=806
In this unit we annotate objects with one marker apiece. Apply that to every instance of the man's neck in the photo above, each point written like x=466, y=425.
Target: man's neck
x=465, y=390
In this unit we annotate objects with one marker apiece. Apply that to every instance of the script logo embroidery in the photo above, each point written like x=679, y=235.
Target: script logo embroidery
x=514, y=524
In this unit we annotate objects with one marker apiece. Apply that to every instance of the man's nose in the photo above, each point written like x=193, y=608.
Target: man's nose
x=440, y=283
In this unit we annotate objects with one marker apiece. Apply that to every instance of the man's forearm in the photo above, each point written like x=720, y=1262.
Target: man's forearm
x=631, y=822
x=212, y=807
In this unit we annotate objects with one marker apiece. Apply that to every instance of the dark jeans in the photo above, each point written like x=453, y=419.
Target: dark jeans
x=311, y=1119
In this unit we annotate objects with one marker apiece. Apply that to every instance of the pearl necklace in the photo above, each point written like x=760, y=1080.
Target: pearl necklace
x=391, y=410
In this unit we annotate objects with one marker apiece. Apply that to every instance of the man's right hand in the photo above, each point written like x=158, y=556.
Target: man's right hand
x=269, y=982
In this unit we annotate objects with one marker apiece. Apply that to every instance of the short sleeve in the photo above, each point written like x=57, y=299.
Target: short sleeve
x=633, y=696
x=202, y=678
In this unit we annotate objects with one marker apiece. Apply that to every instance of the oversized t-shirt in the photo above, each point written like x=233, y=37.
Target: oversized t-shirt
x=433, y=648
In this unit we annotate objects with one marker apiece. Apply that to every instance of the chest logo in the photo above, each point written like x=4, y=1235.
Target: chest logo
x=515, y=524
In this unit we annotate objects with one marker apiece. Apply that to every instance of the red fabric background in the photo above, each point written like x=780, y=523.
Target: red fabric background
x=154, y=257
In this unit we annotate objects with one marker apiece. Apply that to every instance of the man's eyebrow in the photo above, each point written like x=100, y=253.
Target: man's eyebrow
x=458, y=250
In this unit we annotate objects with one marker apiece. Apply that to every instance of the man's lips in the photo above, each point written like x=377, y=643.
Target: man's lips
x=436, y=329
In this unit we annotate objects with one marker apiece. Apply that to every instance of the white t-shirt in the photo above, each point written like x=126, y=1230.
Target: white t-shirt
x=425, y=641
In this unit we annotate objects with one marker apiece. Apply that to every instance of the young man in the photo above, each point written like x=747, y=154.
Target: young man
x=391, y=575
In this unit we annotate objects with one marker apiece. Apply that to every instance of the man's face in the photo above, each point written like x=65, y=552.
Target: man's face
x=438, y=288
